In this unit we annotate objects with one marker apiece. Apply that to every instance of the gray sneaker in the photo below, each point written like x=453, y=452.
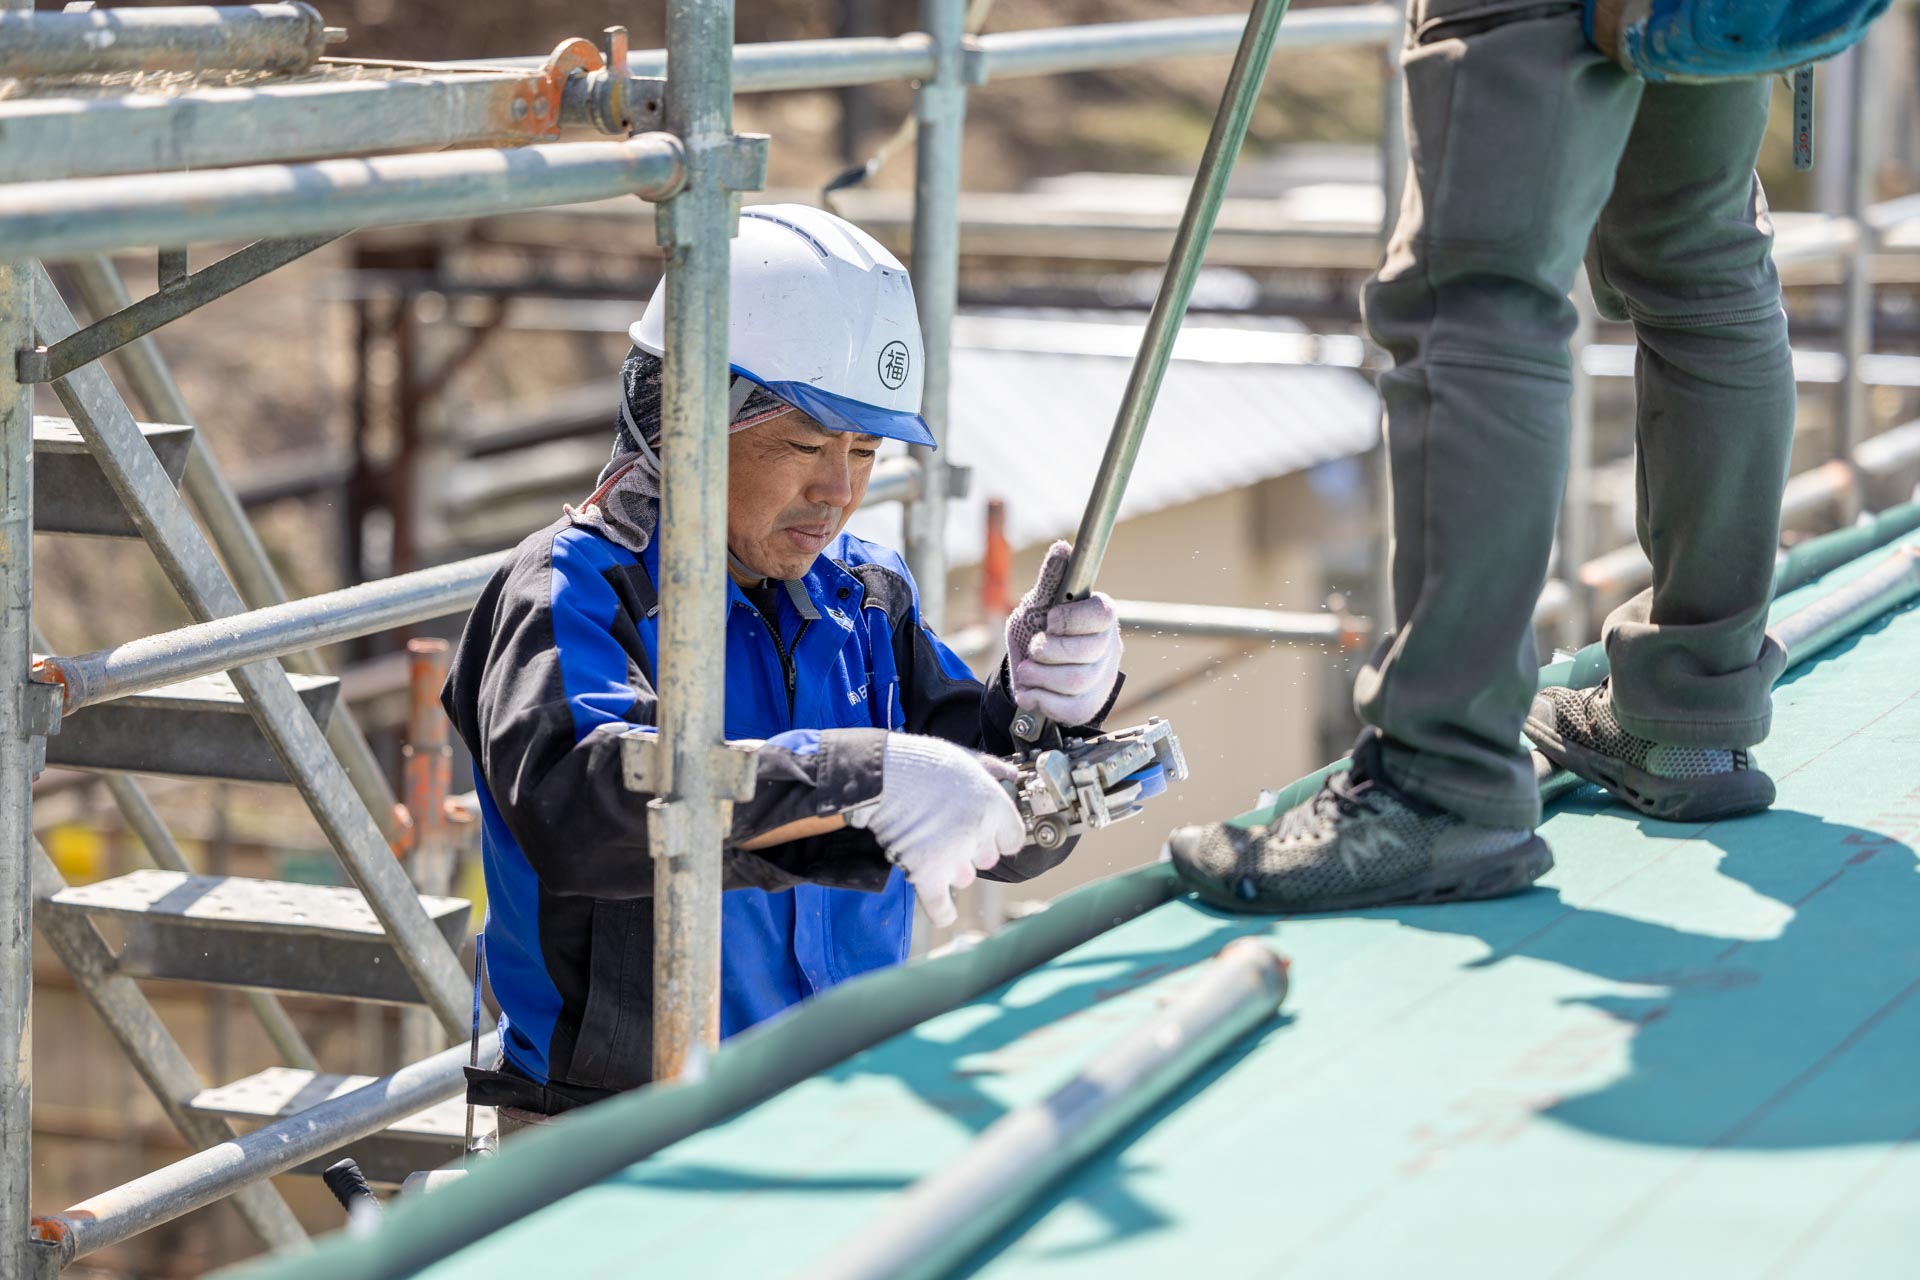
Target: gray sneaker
x=1577, y=730
x=1359, y=842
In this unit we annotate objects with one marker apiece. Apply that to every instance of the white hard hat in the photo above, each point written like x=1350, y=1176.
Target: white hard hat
x=822, y=316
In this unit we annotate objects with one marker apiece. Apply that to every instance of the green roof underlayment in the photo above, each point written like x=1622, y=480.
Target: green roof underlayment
x=1690, y=1051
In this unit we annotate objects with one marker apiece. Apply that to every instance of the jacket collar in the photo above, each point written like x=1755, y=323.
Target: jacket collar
x=816, y=592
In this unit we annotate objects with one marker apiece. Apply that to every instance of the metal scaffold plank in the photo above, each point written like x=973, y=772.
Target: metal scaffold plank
x=196, y=729
x=227, y=930
x=71, y=494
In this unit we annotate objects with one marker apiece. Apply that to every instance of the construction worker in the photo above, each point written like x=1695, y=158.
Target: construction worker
x=1528, y=148
x=877, y=773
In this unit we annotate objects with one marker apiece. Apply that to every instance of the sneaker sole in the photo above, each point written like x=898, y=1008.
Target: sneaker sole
x=1668, y=799
x=1496, y=875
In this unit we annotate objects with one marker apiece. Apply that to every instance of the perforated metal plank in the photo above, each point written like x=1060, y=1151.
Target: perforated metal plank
x=230, y=931
x=195, y=729
x=425, y=1140
x=70, y=492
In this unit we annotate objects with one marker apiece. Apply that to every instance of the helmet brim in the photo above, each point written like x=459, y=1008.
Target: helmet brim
x=839, y=413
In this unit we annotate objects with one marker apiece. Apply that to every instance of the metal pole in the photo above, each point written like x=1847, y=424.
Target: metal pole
x=206, y=647
x=233, y=535
x=1854, y=410
x=941, y=1221
x=940, y=109
x=260, y=37
x=428, y=772
x=16, y=770
x=695, y=229
x=96, y=215
x=1393, y=134
x=1230, y=122
x=1576, y=504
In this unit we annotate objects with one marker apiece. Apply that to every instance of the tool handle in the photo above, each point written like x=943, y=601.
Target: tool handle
x=1237, y=100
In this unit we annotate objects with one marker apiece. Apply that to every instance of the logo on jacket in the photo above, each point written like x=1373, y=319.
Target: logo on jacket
x=893, y=364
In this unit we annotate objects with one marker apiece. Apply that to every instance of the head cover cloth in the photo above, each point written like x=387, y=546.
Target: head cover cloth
x=625, y=505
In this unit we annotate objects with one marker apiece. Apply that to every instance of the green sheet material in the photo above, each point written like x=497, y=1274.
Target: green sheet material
x=1689, y=1052
x=1836, y=557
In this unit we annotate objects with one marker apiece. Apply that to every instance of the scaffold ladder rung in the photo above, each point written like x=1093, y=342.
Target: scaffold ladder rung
x=71, y=494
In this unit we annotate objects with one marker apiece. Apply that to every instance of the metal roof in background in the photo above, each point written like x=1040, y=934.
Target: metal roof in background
x=1034, y=396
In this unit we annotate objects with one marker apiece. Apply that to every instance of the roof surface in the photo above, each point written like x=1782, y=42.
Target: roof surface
x=1688, y=1051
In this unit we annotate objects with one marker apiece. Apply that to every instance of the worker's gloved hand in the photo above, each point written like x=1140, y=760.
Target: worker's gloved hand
x=942, y=817
x=1063, y=659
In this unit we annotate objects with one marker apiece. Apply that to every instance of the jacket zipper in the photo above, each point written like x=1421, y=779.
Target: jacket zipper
x=787, y=667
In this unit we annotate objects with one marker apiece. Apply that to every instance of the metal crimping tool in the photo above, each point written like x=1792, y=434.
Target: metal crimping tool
x=1088, y=783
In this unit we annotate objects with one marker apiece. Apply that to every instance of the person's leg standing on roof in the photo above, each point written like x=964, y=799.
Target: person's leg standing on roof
x=1684, y=250
x=1516, y=126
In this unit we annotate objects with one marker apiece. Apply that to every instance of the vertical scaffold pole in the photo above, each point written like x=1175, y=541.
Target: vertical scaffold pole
x=16, y=768
x=1853, y=412
x=940, y=108
x=695, y=228
x=16, y=765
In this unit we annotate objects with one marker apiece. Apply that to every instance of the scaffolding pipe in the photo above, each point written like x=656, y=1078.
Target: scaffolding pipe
x=1160, y=618
x=208, y=128
x=225, y=643
x=1120, y=44
x=254, y=37
x=226, y=523
x=1576, y=499
x=1237, y=99
x=695, y=230
x=16, y=767
x=937, y=1225
x=101, y=215
x=940, y=108
x=894, y=480
x=1854, y=412
x=220, y=1171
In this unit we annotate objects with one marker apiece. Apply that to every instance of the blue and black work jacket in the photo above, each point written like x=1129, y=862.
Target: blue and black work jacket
x=556, y=662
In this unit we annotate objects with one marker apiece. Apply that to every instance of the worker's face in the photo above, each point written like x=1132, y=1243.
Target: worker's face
x=791, y=484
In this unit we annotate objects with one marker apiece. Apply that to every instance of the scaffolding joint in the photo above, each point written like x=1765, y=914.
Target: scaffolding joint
x=649, y=767
x=534, y=106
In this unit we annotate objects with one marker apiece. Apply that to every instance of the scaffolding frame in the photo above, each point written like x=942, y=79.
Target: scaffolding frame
x=82, y=175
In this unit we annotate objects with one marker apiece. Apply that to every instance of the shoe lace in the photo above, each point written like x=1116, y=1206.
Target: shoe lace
x=1340, y=796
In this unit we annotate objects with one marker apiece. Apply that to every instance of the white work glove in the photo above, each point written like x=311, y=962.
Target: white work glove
x=1063, y=659
x=942, y=817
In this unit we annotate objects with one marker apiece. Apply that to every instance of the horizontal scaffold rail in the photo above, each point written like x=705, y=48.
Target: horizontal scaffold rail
x=89, y=41
x=101, y=215
x=208, y=647
x=474, y=104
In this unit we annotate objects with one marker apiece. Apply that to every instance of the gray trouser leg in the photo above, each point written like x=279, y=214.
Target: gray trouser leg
x=1685, y=245
x=1514, y=132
